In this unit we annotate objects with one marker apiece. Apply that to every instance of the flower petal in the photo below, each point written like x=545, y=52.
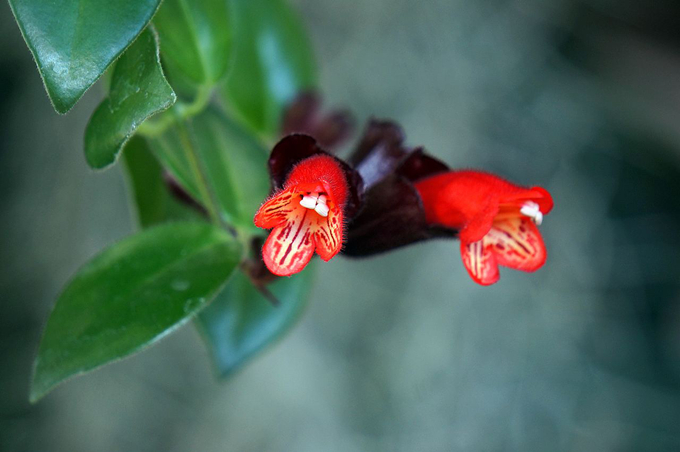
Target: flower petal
x=517, y=243
x=275, y=210
x=289, y=152
x=480, y=262
x=539, y=195
x=290, y=246
x=479, y=225
x=379, y=151
x=544, y=200
x=328, y=235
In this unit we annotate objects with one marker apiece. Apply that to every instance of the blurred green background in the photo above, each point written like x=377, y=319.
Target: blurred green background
x=402, y=352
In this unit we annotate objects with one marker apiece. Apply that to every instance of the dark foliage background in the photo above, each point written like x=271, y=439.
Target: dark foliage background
x=403, y=351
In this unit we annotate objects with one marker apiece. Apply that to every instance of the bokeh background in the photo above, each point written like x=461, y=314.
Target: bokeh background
x=402, y=352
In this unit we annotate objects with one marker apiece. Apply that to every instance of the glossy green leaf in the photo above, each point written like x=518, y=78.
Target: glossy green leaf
x=195, y=38
x=241, y=321
x=73, y=42
x=273, y=61
x=138, y=90
x=235, y=164
x=131, y=295
x=152, y=201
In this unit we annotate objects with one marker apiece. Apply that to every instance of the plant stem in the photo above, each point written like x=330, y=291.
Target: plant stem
x=180, y=115
x=181, y=110
x=198, y=104
x=208, y=195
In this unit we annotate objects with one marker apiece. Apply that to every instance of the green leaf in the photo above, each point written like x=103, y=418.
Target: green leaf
x=273, y=62
x=152, y=200
x=138, y=90
x=195, y=38
x=130, y=296
x=241, y=321
x=73, y=42
x=235, y=164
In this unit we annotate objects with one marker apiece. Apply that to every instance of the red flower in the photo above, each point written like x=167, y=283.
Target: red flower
x=496, y=220
x=306, y=215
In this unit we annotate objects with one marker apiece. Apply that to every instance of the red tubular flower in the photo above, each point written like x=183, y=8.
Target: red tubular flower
x=307, y=210
x=496, y=220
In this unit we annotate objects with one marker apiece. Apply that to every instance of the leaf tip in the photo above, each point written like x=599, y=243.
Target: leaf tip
x=34, y=396
x=39, y=387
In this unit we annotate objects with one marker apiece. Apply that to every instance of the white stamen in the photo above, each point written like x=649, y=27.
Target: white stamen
x=322, y=209
x=317, y=202
x=309, y=201
x=533, y=211
x=539, y=218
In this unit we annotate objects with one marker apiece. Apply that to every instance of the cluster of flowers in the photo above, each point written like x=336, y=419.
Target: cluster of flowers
x=386, y=196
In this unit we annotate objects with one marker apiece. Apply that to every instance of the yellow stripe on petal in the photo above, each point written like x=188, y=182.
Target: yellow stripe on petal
x=516, y=243
x=276, y=210
x=328, y=235
x=479, y=262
